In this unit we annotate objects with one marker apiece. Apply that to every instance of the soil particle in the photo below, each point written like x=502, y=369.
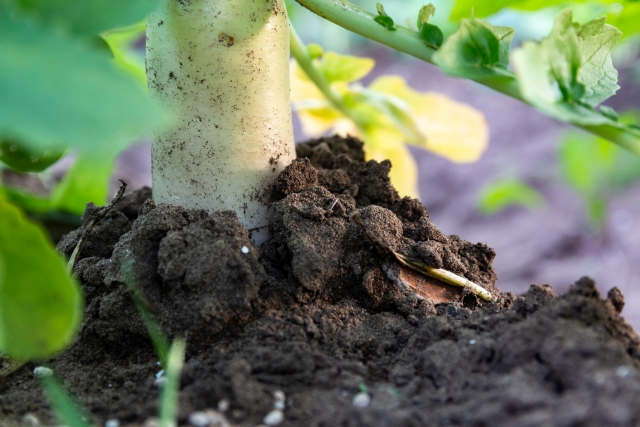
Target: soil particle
x=312, y=315
x=295, y=177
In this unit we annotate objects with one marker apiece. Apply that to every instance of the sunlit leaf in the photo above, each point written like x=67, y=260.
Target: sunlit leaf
x=122, y=44
x=344, y=68
x=86, y=181
x=570, y=72
x=40, y=305
x=453, y=130
x=317, y=121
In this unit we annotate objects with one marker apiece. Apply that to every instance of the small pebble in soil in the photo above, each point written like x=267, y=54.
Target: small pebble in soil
x=160, y=373
x=113, y=422
x=199, y=419
x=361, y=400
x=42, y=372
x=30, y=420
x=274, y=418
x=623, y=371
x=245, y=250
x=223, y=405
x=159, y=382
x=472, y=342
x=151, y=422
x=280, y=399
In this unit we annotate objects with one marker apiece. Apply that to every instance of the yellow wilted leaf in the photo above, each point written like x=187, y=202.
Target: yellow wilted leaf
x=456, y=131
x=453, y=130
x=397, y=86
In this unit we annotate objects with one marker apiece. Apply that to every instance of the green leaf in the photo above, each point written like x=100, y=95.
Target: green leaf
x=384, y=19
x=476, y=50
x=587, y=163
x=28, y=202
x=596, y=40
x=66, y=410
x=86, y=181
x=57, y=92
x=432, y=34
x=40, y=305
x=609, y=112
x=344, y=68
x=569, y=72
x=20, y=159
x=314, y=50
x=126, y=56
x=596, y=169
x=84, y=17
x=509, y=192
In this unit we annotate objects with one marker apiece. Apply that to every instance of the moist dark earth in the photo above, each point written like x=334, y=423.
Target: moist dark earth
x=315, y=314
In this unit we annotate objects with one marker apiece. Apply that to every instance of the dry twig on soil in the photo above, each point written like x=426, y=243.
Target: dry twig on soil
x=94, y=221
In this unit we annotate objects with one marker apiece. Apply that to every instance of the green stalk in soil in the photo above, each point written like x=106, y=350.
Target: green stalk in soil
x=362, y=22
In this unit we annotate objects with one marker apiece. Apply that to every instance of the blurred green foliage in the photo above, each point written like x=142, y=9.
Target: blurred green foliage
x=597, y=170
x=40, y=305
x=63, y=87
x=505, y=193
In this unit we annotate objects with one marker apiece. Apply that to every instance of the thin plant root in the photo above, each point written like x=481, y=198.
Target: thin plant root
x=87, y=231
x=437, y=273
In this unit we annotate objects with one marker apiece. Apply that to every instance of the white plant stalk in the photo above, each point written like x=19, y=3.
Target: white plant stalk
x=222, y=67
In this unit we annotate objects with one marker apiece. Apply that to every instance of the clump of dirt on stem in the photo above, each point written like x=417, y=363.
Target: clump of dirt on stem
x=314, y=314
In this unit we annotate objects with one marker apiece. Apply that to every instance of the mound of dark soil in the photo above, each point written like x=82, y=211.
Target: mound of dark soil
x=314, y=327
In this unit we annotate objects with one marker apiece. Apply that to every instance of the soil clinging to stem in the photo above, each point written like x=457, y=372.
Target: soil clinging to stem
x=314, y=313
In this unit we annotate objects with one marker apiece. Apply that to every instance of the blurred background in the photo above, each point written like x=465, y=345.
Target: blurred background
x=554, y=202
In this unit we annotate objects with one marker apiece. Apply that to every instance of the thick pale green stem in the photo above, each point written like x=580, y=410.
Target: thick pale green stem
x=222, y=68
x=360, y=21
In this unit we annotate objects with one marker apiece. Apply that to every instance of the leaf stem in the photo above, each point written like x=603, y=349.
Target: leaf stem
x=362, y=22
x=301, y=55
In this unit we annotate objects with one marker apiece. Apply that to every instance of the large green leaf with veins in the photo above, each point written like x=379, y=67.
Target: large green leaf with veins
x=570, y=72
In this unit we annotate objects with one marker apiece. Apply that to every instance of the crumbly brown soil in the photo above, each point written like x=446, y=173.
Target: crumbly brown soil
x=314, y=314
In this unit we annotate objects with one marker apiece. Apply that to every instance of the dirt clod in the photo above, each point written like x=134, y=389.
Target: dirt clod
x=316, y=314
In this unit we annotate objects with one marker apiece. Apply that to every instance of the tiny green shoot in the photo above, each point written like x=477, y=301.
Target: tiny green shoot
x=169, y=398
x=68, y=412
